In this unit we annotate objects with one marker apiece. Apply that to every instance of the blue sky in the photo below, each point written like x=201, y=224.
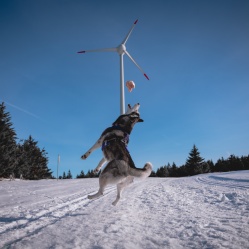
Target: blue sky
x=195, y=53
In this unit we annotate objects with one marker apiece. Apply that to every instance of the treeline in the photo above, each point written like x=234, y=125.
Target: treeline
x=89, y=174
x=195, y=165
x=66, y=176
x=23, y=159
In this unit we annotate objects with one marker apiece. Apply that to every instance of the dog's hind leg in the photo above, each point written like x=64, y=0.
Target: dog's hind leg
x=99, y=193
x=121, y=186
x=102, y=184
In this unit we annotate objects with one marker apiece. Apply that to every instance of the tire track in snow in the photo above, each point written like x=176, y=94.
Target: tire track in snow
x=40, y=218
x=224, y=182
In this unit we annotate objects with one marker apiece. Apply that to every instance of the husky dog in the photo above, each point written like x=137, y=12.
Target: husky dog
x=120, y=169
x=99, y=143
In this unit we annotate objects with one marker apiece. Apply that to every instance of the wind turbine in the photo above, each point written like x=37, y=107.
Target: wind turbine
x=121, y=49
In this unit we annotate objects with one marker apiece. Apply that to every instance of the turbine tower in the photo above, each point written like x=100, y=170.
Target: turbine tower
x=121, y=49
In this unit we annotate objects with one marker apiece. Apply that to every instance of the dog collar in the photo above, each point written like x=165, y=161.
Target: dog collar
x=127, y=134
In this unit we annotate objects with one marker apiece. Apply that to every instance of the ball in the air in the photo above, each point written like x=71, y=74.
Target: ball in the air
x=130, y=85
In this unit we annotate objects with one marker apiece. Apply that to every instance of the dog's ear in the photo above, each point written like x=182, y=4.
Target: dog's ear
x=129, y=109
x=136, y=107
x=132, y=109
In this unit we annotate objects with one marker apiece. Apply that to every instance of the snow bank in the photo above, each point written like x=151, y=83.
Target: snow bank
x=205, y=211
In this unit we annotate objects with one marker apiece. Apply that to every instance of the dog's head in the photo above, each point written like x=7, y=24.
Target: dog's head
x=127, y=121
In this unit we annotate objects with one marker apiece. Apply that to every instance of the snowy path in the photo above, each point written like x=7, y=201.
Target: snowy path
x=205, y=211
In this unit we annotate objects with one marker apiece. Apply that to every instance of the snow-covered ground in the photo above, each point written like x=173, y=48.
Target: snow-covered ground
x=204, y=211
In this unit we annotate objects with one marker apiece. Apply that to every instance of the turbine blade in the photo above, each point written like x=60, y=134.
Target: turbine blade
x=129, y=33
x=145, y=75
x=98, y=50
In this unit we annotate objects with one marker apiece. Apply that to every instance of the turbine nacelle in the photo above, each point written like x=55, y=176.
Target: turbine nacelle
x=121, y=49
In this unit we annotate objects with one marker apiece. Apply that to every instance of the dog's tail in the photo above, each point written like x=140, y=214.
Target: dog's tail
x=141, y=173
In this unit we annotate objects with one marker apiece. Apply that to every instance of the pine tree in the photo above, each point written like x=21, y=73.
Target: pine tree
x=235, y=163
x=153, y=174
x=69, y=175
x=90, y=174
x=221, y=165
x=81, y=175
x=32, y=161
x=182, y=171
x=64, y=175
x=211, y=165
x=174, y=170
x=162, y=172
x=245, y=161
x=7, y=143
x=194, y=163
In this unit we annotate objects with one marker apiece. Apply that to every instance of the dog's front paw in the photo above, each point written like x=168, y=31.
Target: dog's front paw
x=96, y=171
x=85, y=156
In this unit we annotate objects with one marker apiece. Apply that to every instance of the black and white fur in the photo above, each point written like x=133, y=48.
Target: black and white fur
x=120, y=169
x=100, y=141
